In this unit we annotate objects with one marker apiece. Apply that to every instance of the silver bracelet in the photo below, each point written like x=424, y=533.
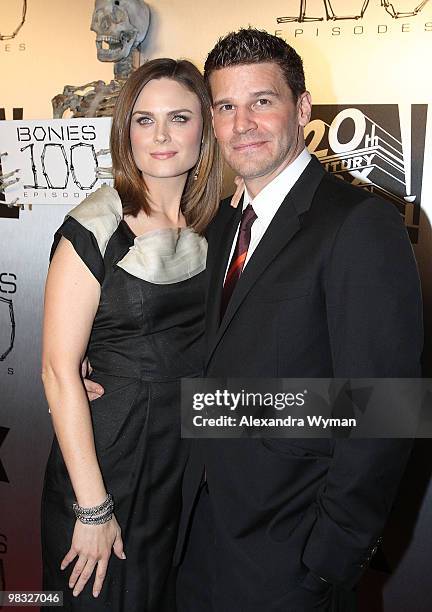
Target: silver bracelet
x=97, y=514
x=97, y=520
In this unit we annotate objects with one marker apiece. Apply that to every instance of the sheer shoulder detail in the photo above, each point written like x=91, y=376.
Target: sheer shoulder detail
x=165, y=256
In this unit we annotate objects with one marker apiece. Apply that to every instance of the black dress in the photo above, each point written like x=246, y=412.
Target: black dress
x=145, y=337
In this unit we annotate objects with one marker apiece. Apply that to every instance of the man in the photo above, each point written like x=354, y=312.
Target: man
x=315, y=279
x=308, y=277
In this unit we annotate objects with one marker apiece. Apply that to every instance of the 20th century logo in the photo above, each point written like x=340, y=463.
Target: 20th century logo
x=378, y=147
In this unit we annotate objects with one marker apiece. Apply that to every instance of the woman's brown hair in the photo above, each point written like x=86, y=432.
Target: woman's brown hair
x=201, y=194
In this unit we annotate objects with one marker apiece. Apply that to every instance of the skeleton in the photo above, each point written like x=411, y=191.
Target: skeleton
x=121, y=27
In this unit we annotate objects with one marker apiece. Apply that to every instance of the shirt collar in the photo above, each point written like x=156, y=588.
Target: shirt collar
x=266, y=203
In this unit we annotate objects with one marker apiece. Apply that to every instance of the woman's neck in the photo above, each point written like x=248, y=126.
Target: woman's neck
x=164, y=198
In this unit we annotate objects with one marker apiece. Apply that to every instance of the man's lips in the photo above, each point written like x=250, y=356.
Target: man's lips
x=163, y=154
x=248, y=146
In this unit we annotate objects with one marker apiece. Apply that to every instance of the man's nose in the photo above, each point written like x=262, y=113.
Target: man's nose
x=244, y=121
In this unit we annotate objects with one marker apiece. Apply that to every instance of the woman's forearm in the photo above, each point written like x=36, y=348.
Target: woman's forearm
x=70, y=413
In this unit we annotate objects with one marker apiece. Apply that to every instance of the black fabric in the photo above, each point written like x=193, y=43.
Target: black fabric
x=211, y=588
x=144, y=338
x=332, y=290
x=85, y=245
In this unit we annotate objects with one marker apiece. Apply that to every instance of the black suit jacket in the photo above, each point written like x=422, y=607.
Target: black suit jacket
x=332, y=290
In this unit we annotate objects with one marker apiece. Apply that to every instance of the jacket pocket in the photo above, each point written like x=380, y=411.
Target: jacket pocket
x=311, y=448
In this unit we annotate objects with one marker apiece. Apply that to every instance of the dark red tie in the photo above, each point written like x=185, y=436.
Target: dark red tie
x=239, y=256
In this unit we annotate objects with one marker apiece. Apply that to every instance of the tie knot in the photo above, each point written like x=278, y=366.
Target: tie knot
x=248, y=217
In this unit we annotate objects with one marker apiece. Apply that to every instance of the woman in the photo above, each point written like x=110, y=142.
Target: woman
x=125, y=287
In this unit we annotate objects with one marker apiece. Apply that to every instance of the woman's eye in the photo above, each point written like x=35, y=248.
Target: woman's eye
x=180, y=118
x=143, y=120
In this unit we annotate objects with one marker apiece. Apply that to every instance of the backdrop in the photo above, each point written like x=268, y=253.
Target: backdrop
x=367, y=69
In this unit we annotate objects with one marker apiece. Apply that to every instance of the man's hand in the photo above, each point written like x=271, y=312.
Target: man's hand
x=93, y=389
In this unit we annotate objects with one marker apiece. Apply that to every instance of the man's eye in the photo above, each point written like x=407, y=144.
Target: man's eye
x=143, y=120
x=180, y=118
x=263, y=102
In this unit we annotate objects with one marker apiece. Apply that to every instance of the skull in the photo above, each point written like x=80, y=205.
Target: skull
x=120, y=26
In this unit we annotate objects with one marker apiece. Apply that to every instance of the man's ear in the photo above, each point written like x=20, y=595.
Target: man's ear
x=304, y=106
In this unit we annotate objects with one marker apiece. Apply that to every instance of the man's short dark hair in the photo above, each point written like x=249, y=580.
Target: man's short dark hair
x=251, y=46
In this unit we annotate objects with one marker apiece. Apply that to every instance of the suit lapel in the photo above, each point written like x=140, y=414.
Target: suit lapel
x=283, y=227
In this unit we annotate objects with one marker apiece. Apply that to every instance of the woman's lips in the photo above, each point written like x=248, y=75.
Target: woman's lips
x=163, y=154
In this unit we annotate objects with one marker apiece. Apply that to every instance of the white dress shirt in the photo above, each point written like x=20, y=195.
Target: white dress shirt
x=268, y=201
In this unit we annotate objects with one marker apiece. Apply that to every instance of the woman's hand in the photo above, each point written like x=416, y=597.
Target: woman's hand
x=92, y=545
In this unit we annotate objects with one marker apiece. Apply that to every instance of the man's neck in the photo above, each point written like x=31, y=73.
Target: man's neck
x=256, y=184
